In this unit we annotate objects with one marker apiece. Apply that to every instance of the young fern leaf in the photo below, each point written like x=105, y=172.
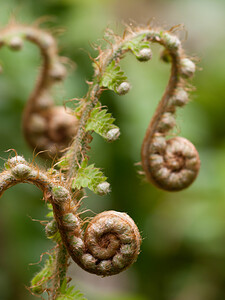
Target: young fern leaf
x=91, y=177
x=101, y=122
x=139, y=47
x=50, y=213
x=40, y=280
x=113, y=77
x=52, y=231
x=69, y=293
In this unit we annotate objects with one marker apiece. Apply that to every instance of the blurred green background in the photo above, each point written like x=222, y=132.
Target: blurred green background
x=183, y=250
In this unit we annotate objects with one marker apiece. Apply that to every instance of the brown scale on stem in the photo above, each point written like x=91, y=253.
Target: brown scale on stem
x=111, y=241
x=46, y=127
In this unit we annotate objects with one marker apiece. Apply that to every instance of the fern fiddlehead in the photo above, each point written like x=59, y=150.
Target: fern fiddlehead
x=171, y=164
x=44, y=124
x=111, y=241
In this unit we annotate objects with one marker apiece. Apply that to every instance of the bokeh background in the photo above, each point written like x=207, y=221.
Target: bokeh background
x=183, y=250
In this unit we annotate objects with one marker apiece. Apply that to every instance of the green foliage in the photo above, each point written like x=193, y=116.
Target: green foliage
x=88, y=176
x=136, y=45
x=78, y=111
x=69, y=293
x=52, y=231
x=63, y=163
x=50, y=213
x=39, y=282
x=101, y=122
x=113, y=77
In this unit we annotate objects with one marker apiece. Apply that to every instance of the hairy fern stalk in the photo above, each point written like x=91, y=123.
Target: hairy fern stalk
x=111, y=241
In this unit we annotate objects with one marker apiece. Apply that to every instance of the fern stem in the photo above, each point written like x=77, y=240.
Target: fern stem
x=60, y=269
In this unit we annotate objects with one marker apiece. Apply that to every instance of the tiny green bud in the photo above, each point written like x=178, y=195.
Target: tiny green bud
x=144, y=54
x=113, y=134
x=89, y=261
x=70, y=221
x=21, y=171
x=123, y=88
x=77, y=244
x=16, y=43
x=103, y=188
x=126, y=250
x=60, y=193
x=119, y=261
x=171, y=41
x=105, y=265
x=12, y=162
x=187, y=68
x=51, y=229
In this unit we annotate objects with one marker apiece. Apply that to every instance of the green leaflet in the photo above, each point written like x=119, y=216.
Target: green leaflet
x=39, y=282
x=50, y=213
x=113, y=77
x=69, y=293
x=88, y=176
x=101, y=122
x=136, y=45
x=80, y=107
x=63, y=163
